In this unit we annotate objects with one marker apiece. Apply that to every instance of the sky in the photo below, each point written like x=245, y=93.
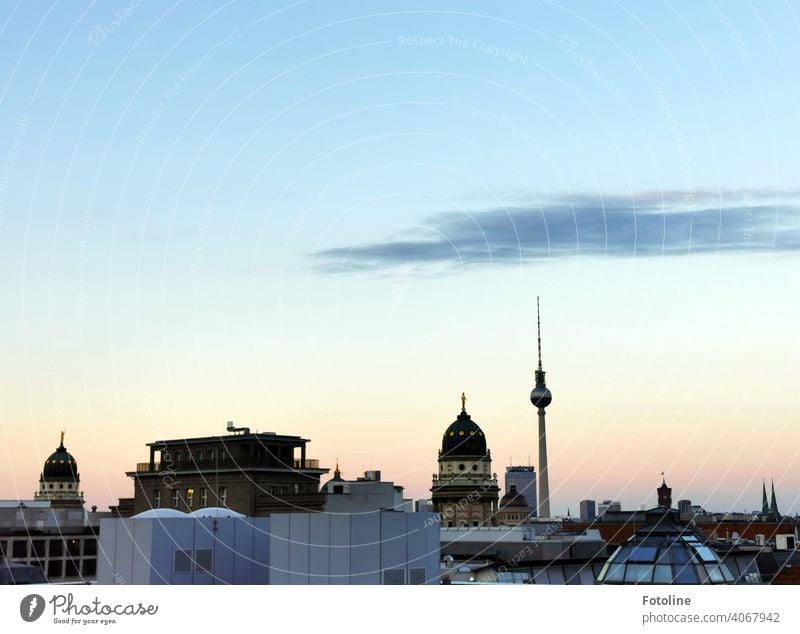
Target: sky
x=330, y=219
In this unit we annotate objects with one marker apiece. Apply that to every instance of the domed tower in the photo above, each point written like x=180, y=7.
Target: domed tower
x=513, y=509
x=465, y=490
x=541, y=398
x=60, y=481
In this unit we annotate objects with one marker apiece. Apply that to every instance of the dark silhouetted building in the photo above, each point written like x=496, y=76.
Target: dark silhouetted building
x=252, y=473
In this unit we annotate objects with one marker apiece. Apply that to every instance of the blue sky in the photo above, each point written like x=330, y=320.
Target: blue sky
x=332, y=218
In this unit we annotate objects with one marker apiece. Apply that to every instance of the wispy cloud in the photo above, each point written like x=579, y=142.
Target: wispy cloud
x=650, y=224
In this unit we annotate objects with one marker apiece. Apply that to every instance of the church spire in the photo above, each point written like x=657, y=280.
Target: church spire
x=764, y=503
x=773, y=507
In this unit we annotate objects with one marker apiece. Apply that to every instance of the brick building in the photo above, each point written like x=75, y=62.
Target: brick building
x=253, y=473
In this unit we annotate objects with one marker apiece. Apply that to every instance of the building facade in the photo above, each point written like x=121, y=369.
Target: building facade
x=386, y=547
x=524, y=478
x=363, y=495
x=588, y=510
x=464, y=492
x=255, y=474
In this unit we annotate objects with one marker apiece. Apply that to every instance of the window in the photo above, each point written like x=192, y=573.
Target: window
x=56, y=549
x=90, y=547
x=461, y=467
x=203, y=497
x=199, y=456
x=74, y=547
x=178, y=456
x=20, y=549
x=156, y=498
x=296, y=489
x=182, y=562
x=72, y=569
x=175, y=499
x=223, y=496
x=38, y=547
x=54, y=569
x=189, y=497
x=417, y=576
x=89, y=567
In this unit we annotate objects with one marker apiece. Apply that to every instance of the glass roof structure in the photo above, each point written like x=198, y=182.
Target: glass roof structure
x=664, y=551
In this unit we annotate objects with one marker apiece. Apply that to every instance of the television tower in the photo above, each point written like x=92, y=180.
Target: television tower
x=541, y=398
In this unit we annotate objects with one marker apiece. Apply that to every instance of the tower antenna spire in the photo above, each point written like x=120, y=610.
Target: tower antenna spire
x=539, y=332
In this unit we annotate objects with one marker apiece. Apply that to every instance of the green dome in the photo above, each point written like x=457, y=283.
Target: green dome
x=464, y=438
x=60, y=466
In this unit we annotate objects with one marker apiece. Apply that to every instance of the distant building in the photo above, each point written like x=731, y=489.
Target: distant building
x=423, y=506
x=60, y=541
x=524, y=477
x=255, y=474
x=684, y=506
x=588, y=510
x=465, y=491
x=52, y=532
x=608, y=506
x=664, y=494
x=513, y=510
x=363, y=495
x=533, y=553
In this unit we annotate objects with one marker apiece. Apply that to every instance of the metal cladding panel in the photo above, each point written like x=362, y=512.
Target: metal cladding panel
x=393, y=542
x=203, y=539
x=260, y=528
x=365, y=554
x=423, y=549
x=319, y=548
x=106, y=555
x=433, y=547
x=142, y=537
x=224, y=538
x=279, y=549
x=160, y=552
x=182, y=538
x=298, y=548
x=340, y=549
x=242, y=557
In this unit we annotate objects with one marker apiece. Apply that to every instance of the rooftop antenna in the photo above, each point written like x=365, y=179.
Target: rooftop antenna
x=539, y=332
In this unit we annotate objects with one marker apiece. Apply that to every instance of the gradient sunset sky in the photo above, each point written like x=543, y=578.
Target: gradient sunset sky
x=330, y=219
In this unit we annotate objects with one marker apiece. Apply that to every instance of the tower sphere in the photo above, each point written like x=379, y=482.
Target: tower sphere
x=541, y=396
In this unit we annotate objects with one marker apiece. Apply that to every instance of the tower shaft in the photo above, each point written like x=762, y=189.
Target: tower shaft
x=544, y=483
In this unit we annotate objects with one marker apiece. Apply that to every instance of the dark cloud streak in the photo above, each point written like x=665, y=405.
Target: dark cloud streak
x=579, y=225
